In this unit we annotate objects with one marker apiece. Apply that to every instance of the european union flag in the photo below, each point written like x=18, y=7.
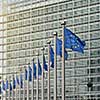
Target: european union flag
x=39, y=68
x=44, y=64
x=73, y=42
x=3, y=85
x=26, y=74
x=6, y=84
x=59, y=49
x=21, y=81
x=52, y=57
x=10, y=87
x=34, y=70
x=30, y=73
x=17, y=80
x=14, y=83
x=0, y=90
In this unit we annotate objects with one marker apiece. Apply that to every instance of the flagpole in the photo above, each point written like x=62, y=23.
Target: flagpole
x=37, y=87
x=28, y=82
x=48, y=69
x=42, y=74
x=63, y=63
x=1, y=89
x=24, y=85
x=16, y=88
x=12, y=87
x=33, y=80
x=20, y=86
x=6, y=92
x=55, y=66
x=9, y=89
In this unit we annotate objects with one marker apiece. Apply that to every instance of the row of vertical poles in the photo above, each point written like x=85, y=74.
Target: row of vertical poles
x=55, y=74
x=63, y=64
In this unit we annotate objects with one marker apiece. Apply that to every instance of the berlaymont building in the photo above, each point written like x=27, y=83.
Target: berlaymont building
x=25, y=28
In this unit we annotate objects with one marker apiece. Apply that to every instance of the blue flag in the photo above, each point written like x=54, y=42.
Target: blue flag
x=44, y=64
x=10, y=87
x=3, y=85
x=0, y=90
x=59, y=49
x=21, y=81
x=30, y=73
x=17, y=80
x=73, y=42
x=14, y=83
x=34, y=70
x=26, y=74
x=39, y=68
x=52, y=57
x=6, y=85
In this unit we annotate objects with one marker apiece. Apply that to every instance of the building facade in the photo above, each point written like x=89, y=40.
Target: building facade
x=26, y=27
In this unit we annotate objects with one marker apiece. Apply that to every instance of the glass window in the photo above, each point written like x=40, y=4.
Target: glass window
x=70, y=14
x=98, y=88
x=95, y=35
x=98, y=70
x=92, y=70
x=60, y=7
x=84, y=19
x=26, y=22
x=94, y=53
x=94, y=17
x=93, y=62
x=69, y=5
x=94, y=1
x=94, y=26
x=81, y=63
x=55, y=8
x=76, y=4
x=50, y=10
x=20, y=16
x=70, y=22
x=94, y=9
x=84, y=11
x=93, y=79
x=98, y=79
x=84, y=2
x=77, y=12
x=95, y=43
